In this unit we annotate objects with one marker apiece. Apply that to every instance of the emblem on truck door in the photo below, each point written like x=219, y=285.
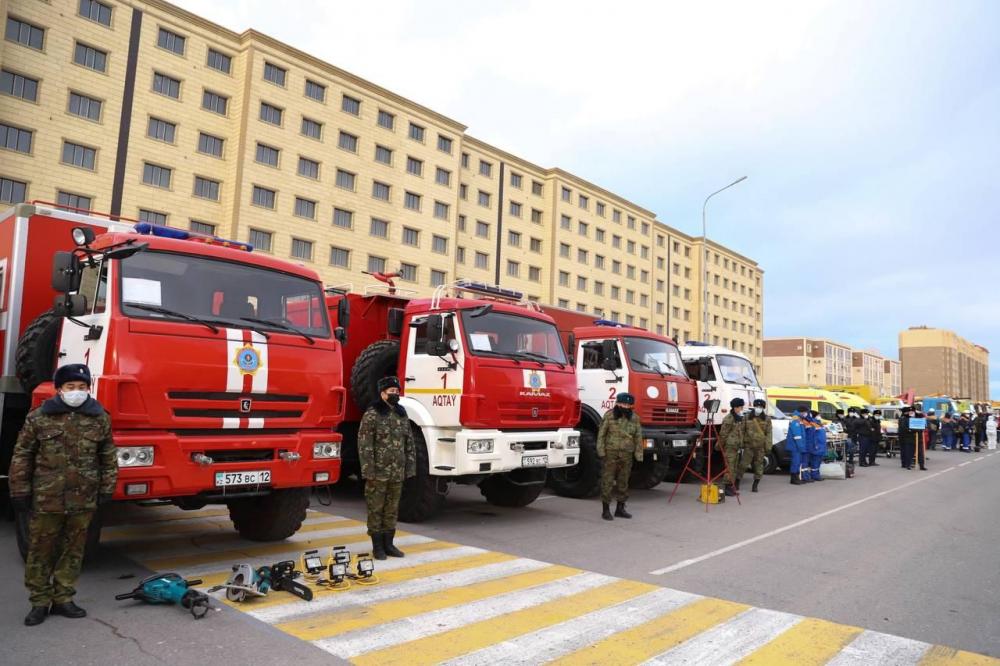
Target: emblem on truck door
x=245, y=405
x=247, y=359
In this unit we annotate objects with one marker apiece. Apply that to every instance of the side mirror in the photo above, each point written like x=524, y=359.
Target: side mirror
x=609, y=350
x=394, y=322
x=70, y=305
x=435, y=328
x=571, y=348
x=704, y=371
x=340, y=334
x=343, y=312
x=66, y=272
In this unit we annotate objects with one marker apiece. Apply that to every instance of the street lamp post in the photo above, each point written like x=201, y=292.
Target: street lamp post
x=704, y=277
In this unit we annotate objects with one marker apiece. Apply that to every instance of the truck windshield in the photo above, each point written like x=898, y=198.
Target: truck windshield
x=736, y=370
x=504, y=334
x=654, y=356
x=163, y=285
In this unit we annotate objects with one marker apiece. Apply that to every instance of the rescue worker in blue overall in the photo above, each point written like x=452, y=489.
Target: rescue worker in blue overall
x=818, y=448
x=796, y=443
x=810, y=439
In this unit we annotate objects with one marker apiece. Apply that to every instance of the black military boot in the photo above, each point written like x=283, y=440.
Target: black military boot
x=730, y=490
x=37, y=615
x=390, y=549
x=620, y=511
x=378, y=546
x=67, y=609
x=756, y=482
x=796, y=481
x=607, y=511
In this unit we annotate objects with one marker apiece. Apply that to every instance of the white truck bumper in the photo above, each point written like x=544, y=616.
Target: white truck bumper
x=457, y=453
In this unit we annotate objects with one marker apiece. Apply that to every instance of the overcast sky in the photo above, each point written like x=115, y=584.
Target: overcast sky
x=870, y=131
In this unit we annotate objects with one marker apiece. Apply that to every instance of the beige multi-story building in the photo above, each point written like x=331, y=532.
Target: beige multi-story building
x=868, y=368
x=150, y=112
x=806, y=361
x=892, y=376
x=937, y=361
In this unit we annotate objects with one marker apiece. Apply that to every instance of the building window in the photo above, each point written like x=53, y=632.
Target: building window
x=599, y=261
x=482, y=260
x=536, y=216
x=378, y=228
x=515, y=179
x=537, y=188
x=598, y=288
x=383, y=154
x=96, y=11
x=340, y=257
x=484, y=199
x=583, y=201
x=630, y=272
x=460, y=254
x=171, y=41
x=515, y=209
x=267, y=155
x=414, y=166
x=514, y=238
x=85, y=107
x=345, y=179
x=376, y=264
x=263, y=197
x=210, y=145
x=343, y=218
x=381, y=190
x=631, y=222
x=441, y=210
x=616, y=242
x=12, y=191
x=219, y=61
x=563, y=279
x=566, y=194
x=416, y=132
x=350, y=105
x=261, y=240
x=214, y=102
x=166, y=85
x=616, y=267
x=386, y=120
x=152, y=216
x=305, y=208
x=411, y=237
x=18, y=86
x=302, y=249
x=581, y=256
x=535, y=245
x=308, y=168
x=348, y=142
x=630, y=247
x=444, y=144
x=616, y=216
x=411, y=200
x=407, y=272
x=202, y=228
x=564, y=250
x=439, y=244
x=442, y=177
x=581, y=283
x=206, y=188
x=72, y=201
x=312, y=128
x=485, y=169
x=15, y=138
x=316, y=91
x=513, y=269
x=463, y=191
x=437, y=278
x=22, y=32
x=461, y=223
x=582, y=228
x=76, y=155
x=534, y=273
x=270, y=114
x=274, y=74
x=90, y=57
x=482, y=229
x=465, y=160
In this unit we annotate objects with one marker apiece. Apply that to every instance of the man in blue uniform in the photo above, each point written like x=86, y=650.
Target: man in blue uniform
x=796, y=446
x=809, y=440
x=818, y=449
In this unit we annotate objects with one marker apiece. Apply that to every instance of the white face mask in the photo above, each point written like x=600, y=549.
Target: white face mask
x=74, y=398
x=758, y=410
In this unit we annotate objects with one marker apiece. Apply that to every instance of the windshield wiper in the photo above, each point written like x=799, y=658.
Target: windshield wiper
x=172, y=313
x=282, y=325
x=481, y=310
x=542, y=358
x=647, y=366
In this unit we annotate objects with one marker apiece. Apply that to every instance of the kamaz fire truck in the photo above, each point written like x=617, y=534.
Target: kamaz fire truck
x=611, y=358
x=490, y=394
x=218, y=366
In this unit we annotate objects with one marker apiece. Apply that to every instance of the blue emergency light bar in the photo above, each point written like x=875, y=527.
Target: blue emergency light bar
x=488, y=290
x=608, y=322
x=147, y=229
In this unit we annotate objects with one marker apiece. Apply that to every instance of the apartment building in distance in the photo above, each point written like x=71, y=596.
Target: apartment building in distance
x=938, y=361
x=822, y=362
x=151, y=112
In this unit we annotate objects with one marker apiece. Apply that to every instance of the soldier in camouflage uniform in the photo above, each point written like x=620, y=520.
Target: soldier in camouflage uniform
x=758, y=425
x=732, y=441
x=64, y=466
x=618, y=440
x=388, y=457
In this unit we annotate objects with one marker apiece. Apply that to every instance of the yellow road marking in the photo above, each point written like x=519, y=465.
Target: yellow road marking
x=363, y=617
x=649, y=639
x=472, y=637
x=939, y=654
x=811, y=641
x=441, y=391
x=137, y=546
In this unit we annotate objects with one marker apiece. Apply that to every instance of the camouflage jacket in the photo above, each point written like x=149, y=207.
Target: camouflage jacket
x=64, y=457
x=385, y=444
x=620, y=434
x=732, y=433
x=758, y=431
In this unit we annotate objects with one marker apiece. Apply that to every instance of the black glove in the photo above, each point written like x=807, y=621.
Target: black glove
x=21, y=502
x=104, y=498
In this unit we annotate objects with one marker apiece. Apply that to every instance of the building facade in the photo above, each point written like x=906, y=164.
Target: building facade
x=806, y=361
x=868, y=368
x=937, y=361
x=892, y=376
x=150, y=112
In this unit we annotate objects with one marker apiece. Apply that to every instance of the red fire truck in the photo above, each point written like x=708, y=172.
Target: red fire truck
x=485, y=382
x=218, y=366
x=611, y=358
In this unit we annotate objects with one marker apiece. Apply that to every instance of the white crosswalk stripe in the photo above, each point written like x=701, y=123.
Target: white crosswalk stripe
x=872, y=647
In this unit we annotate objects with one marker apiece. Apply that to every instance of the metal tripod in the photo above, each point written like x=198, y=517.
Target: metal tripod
x=705, y=439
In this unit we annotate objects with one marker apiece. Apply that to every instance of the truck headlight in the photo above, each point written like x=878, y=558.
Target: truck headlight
x=134, y=456
x=649, y=443
x=326, y=450
x=573, y=442
x=480, y=446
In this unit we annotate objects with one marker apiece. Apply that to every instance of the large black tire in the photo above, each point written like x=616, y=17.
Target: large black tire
x=90, y=552
x=270, y=517
x=35, y=360
x=377, y=361
x=514, y=489
x=423, y=495
x=583, y=479
x=648, y=474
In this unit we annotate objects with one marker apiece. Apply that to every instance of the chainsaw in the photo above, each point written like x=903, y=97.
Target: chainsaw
x=170, y=588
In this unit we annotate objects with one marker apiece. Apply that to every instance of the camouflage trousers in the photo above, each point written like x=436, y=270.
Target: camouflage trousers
x=754, y=456
x=734, y=461
x=56, y=542
x=615, y=470
x=382, y=500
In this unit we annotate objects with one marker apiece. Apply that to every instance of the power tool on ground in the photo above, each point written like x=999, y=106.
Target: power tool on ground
x=170, y=588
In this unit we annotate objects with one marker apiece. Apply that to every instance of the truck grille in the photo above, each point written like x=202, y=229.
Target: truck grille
x=240, y=455
x=667, y=415
x=521, y=414
x=237, y=414
x=534, y=446
x=226, y=405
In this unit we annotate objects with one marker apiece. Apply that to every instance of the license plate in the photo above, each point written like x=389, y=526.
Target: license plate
x=223, y=479
x=534, y=461
x=680, y=443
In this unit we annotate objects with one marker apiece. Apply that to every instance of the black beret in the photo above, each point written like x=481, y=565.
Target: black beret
x=625, y=398
x=72, y=372
x=387, y=383
x=736, y=402
x=759, y=403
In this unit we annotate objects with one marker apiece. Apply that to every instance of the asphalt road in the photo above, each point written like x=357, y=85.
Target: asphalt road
x=903, y=552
